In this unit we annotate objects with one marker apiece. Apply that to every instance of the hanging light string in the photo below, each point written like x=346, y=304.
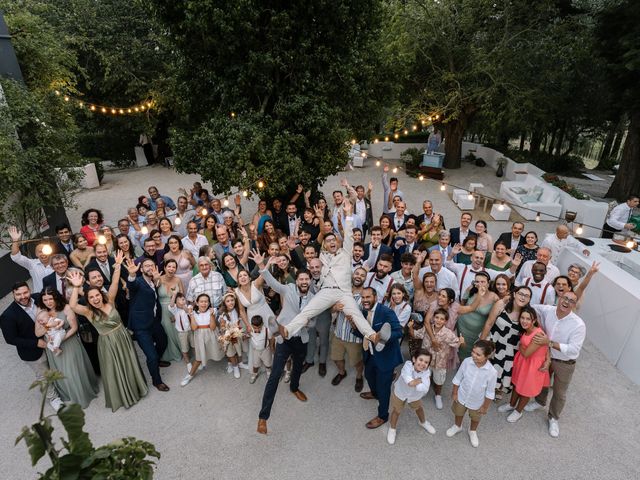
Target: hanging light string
x=502, y=203
x=135, y=109
x=101, y=239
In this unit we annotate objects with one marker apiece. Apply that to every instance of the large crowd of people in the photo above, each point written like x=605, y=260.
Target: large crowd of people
x=307, y=279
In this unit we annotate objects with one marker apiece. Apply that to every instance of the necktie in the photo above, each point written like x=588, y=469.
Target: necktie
x=68, y=247
x=63, y=287
x=105, y=269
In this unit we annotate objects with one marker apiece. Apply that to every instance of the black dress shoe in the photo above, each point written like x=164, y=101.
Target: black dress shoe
x=322, y=369
x=162, y=387
x=338, y=378
x=164, y=364
x=359, y=385
x=306, y=366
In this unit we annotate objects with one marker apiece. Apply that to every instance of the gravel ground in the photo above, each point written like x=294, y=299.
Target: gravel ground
x=207, y=429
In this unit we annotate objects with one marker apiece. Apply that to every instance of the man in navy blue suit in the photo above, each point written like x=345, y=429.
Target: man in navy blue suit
x=458, y=234
x=145, y=317
x=380, y=360
x=373, y=249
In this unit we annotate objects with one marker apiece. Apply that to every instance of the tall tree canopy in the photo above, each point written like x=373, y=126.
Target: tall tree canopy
x=271, y=90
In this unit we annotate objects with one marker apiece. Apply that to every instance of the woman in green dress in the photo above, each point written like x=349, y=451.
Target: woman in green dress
x=474, y=317
x=124, y=383
x=170, y=284
x=80, y=383
x=498, y=259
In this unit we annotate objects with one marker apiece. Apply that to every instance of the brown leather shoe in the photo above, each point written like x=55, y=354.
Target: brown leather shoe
x=262, y=426
x=367, y=396
x=306, y=366
x=322, y=369
x=375, y=422
x=338, y=378
x=162, y=387
x=300, y=396
x=359, y=385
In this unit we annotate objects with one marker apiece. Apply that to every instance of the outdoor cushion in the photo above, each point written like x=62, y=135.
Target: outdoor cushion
x=518, y=190
x=528, y=199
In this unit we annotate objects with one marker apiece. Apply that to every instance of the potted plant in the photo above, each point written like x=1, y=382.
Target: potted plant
x=501, y=162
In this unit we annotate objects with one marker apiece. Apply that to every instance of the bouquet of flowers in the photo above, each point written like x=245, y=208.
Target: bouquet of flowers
x=231, y=335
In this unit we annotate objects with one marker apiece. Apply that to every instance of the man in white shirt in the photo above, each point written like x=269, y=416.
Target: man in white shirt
x=403, y=276
x=207, y=281
x=564, y=335
x=185, y=213
x=560, y=240
x=542, y=292
x=390, y=190
x=543, y=255
x=466, y=274
x=618, y=218
x=445, y=278
x=193, y=241
x=38, y=267
x=357, y=255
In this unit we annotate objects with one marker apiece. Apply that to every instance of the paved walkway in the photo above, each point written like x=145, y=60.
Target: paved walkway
x=207, y=429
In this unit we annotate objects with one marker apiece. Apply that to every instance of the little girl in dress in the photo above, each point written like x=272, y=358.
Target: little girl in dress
x=230, y=332
x=55, y=331
x=205, y=335
x=530, y=371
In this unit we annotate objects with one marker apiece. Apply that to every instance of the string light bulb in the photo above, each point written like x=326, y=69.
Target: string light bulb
x=260, y=184
x=102, y=240
x=92, y=108
x=121, y=111
x=364, y=154
x=421, y=177
x=353, y=141
x=537, y=216
x=177, y=221
x=233, y=114
x=630, y=244
x=406, y=132
x=443, y=187
x=204, y=212
x=128, y=110
x=429, y=119
x=80, y=104
x=66, y=99
x=501, y=206
x=386, y=139
x=57, y=92
x=396, y=136
x=395, y=170
x=376, y=141
x=113, y=110
x=377, y=163
x=103, y=110
x=414, y=128
x=579, y=230
x=144, y=230
x=46, y=249
x=470, y=196
x=245, y=193
x=225, y=202
x=136, y=109
x=149, y=104
x=437, y=117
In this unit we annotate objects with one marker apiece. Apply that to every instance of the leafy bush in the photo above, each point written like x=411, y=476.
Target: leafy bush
x=124, y=459
x=564, y=186
x=412, y=157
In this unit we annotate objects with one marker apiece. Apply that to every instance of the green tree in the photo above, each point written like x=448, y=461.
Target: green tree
x=618, y=33
x=37, y=136
x=452, y=57
x=271, y=90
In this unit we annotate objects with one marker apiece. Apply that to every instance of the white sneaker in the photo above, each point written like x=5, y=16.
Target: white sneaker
x=185, y=381
x=428, y=427
x=533, y=406
x=243, y=366
x=514, y=416
x=287, y=376
x=253, y=378
x=391, y=436
x=453, y=430
x=56, y=403
x=268, y=372
x=189, y=367
x=473, y=438
x=505, y=408
x=236, y=372
x=554, y=428
x=229, y=367
x=439, y=402
x=201, y=367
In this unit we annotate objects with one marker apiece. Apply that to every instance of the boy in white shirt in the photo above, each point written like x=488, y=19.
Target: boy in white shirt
x=262, y=346
x=412, y=384
x=178, y=308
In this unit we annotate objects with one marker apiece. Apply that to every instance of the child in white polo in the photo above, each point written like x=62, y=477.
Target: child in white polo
x=262, y=347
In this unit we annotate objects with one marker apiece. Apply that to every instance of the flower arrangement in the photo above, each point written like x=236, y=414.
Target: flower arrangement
x=231, y=335
x=564, y=186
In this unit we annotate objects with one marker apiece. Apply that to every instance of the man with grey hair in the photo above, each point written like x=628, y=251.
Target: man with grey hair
x=543, y=255
x=426, y=217
x=207, y=281
x=443, y=246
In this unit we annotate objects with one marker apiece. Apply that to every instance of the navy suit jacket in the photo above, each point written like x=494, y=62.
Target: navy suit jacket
x=93, y=265
x=383, y=249
x=398, y=251
x=390, y=356
x=19, y=330
x=506, y=238
x=141, y=305
x=455, y=235
x=392, y=219
x=50, y=281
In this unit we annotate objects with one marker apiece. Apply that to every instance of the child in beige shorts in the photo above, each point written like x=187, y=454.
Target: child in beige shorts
x=411, y=386
x=262, y=346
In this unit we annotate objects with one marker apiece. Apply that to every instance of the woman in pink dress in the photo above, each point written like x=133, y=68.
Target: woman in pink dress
x=183, y=258
x=92, y=220
x=530, y=367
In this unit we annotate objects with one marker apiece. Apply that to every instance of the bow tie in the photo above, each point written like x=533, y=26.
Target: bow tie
x=356, y=264
x=536, y=285
x=378, y=280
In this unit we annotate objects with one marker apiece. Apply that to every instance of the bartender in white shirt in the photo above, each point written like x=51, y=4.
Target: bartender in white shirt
x=618, y=218
x=564, y=334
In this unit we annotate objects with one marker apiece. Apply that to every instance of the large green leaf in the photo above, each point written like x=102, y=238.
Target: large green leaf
x=72, y=418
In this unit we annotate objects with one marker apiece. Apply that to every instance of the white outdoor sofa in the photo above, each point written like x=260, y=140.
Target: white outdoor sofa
x=533, y=196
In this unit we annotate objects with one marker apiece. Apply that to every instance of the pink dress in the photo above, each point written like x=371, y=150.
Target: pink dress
x=526, y=374
x=452, y=363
